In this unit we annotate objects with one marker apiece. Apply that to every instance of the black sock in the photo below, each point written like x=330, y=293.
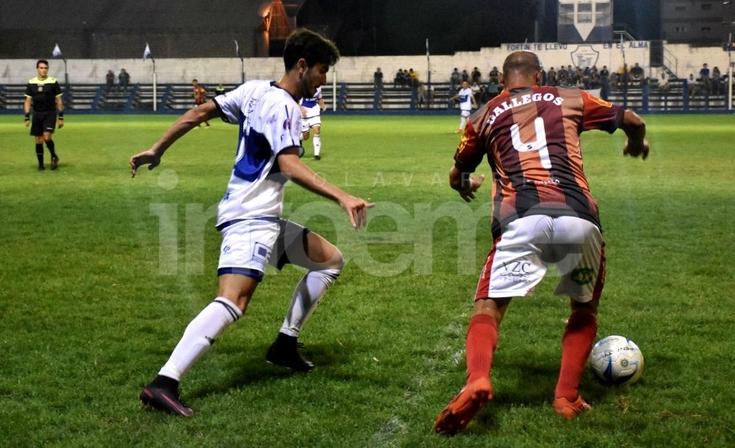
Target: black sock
x=39, y=153
x=51, y=148
x=164, y=382
x=286, y=340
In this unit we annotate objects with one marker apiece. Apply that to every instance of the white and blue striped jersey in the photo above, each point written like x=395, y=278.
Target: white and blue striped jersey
x=312, y=104
x=270, y=121
x=465, y=99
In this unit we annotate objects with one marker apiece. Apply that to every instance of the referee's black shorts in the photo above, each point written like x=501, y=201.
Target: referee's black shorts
x=43, y=122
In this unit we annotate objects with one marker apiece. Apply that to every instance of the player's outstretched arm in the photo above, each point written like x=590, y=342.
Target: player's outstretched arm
x=635, y=129
x=292, y=167
x=465, y=184
x=185, y=123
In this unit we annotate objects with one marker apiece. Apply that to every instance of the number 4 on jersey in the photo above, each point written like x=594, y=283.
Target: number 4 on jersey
x=537, y=145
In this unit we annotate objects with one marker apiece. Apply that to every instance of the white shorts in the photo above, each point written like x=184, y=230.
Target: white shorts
x=249, y=245
x=312, y=118
x=465, y=113
x=519, y=259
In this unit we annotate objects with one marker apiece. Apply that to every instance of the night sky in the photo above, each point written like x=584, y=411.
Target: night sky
x=384, y=27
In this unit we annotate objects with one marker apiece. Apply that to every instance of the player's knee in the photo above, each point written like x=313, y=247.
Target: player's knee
x=494, y=307
x=238, y=289
x=336, y=261
x=331, y=258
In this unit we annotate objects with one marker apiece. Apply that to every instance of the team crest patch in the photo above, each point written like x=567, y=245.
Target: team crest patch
x=584, y=56
x=260, y=253
x=583, y=276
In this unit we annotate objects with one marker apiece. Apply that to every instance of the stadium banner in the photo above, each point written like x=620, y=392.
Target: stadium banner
x=585, y=21
x=554, y=54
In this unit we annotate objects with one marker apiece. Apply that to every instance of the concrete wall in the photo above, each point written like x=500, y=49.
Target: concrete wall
x=360, y=69
x=690, y=59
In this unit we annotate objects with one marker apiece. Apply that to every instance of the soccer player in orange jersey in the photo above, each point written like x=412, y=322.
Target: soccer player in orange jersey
x=543, y=214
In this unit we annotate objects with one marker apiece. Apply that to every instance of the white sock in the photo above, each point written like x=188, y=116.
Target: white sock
x=317, y=142
x=462, y=122
x=199, y=336
x=306, y=297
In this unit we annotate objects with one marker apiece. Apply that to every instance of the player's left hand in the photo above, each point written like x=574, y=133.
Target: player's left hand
x=635, y=151
x=148, y=157
x=356, y=209
x=468, y=188
x=60, y=123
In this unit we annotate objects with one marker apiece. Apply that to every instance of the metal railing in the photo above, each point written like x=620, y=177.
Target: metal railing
x=646, y=97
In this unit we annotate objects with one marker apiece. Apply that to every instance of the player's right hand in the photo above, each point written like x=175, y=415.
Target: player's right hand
x=635, y=150
x=148, y=157
x=27, y=123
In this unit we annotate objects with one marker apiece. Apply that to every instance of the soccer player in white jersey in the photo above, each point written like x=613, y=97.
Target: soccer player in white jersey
x=249, y=214
x=467, y=102
x=311, y=109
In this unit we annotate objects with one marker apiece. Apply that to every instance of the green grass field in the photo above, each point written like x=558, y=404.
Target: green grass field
x=100, y=273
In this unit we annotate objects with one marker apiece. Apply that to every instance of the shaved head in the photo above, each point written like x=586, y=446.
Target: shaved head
x=523, y=63
x=521, y=69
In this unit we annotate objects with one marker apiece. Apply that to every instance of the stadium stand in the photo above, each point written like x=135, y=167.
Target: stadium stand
x=675, y=96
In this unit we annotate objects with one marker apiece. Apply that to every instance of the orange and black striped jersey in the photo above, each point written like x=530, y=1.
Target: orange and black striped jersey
x=531, y=139
x=200, y=94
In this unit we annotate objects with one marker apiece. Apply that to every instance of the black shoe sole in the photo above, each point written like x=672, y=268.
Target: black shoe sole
x=162, y=401
x=297, y=365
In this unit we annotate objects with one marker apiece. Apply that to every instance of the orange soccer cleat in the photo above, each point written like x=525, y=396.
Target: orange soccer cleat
x=465, y=405
x=570, y=409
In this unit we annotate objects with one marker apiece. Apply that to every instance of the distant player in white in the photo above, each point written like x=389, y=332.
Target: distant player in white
x=311, y=109
x=249, y=215
x=467, y=102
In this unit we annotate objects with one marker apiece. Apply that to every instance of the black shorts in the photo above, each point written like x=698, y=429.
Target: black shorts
x=43, y=122
x=290, y=246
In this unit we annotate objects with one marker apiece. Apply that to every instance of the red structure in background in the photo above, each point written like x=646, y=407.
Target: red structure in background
x=277, y=25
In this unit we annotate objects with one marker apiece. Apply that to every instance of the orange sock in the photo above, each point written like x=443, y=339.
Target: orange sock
x=482, y=338
x=577, y=341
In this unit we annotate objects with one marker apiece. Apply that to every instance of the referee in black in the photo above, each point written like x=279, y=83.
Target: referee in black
x=43, y=94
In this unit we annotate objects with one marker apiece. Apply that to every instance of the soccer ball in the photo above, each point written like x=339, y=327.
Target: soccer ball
x=616, y=360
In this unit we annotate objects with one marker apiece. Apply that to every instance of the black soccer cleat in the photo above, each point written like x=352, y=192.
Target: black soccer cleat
x=41, y=167
x=317, y=157
x=164, y=400
x=54, y=163
x=284, y=352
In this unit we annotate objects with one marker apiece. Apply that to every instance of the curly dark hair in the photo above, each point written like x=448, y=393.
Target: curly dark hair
x=311, y=46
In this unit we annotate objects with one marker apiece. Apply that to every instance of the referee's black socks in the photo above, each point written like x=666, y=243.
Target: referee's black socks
x=39, y=154
x=51, y=148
